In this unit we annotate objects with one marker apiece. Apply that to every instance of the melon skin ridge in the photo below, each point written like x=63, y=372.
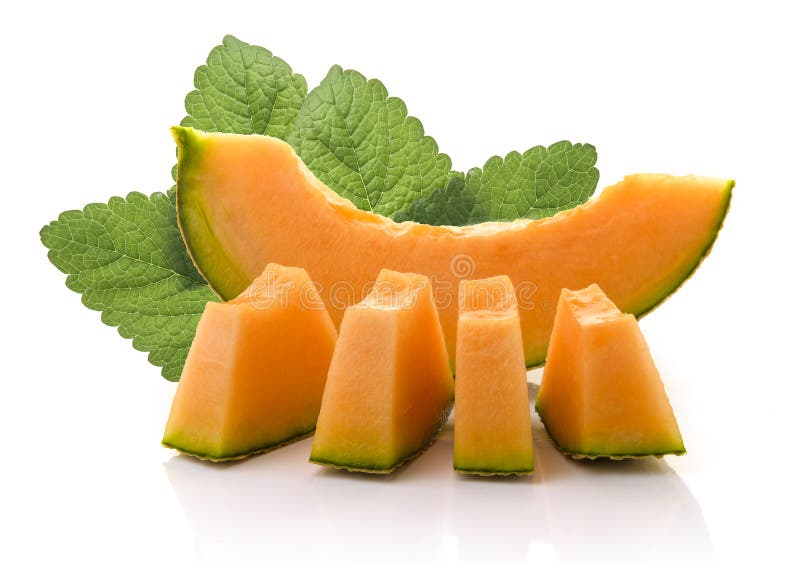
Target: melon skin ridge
x=303, y=434
x=521, y=472
x=225, y=273
x=481, y=473
x=592, y=456
x=378, y=470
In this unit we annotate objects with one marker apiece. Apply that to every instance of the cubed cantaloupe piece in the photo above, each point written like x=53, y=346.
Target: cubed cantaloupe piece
x=389, y=387
x=601, y=394
x=492, y=412
x=255, y=373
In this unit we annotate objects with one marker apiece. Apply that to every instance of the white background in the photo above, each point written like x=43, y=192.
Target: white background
x=87, y=96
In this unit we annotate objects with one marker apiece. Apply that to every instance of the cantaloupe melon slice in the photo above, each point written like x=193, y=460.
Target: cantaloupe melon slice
x=256, y=370
x=245, y=200
x=492, y=412
x=601, y=394
x=389, y=388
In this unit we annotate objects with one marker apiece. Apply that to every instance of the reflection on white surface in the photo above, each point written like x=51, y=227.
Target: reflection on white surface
x=278, y=506
x=449, y=548
x=541, y=553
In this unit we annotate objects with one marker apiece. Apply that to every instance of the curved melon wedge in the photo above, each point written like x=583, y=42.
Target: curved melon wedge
x=246, y=200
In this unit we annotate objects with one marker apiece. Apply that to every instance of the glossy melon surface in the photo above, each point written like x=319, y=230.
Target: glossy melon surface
x=255, y=373
x=246, y=200
x=492, y=411
x=601, y=394
x=389, y=388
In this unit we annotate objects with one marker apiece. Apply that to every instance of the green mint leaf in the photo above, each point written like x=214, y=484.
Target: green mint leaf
x=364, y=145
x=244, y=89
x=539, y=183
x=128, y=260
x=451, y=205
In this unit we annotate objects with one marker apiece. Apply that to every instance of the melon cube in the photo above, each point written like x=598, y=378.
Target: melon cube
x=601, y=394
x=492, y=411
x=255, y=373
x=389, y=388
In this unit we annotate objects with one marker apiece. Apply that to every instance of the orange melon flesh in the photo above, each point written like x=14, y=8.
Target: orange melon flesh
x=245, y=200
x=254, y=376
x=389, y=387
x=601, y=394
x=492, y=412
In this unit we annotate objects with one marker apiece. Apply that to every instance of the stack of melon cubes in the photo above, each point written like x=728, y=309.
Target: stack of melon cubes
x=268, y=368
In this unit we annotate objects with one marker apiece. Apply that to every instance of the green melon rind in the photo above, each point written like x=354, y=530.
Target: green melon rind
x=192, y=218
x=658, y=453
x=384, y=470
x=522, y=468
x=305, y=433
x=491, y=472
